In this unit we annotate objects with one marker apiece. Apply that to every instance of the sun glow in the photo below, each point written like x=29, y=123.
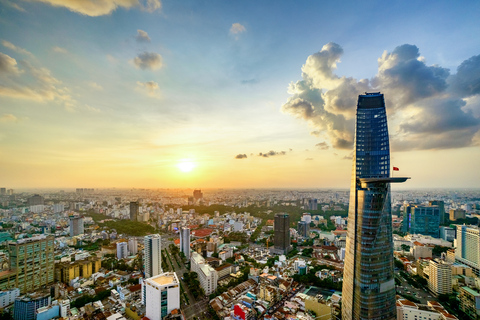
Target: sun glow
x=186, y=165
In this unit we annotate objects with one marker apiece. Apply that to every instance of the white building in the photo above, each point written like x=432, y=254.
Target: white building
x=122, y=250
x=440, y=278
x=153, y=255
x=238, y=226
x=185, y=241
x=57, y=208
x=162, y=295
x=468, y=246
x=407, y=310
x=132, y=246
x=207, y=276
x=64, y=308
x=7, y=297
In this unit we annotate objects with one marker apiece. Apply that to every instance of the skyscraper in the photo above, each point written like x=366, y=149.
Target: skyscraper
x=368, y=283
x=282, y=233
x=468, y=247
x=153, y=255
x=133, y=210
x=185, y=241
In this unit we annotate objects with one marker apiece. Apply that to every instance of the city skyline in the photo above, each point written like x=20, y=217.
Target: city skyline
x=157, y=94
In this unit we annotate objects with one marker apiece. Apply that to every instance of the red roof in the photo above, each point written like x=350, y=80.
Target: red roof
x=135, y=287
x=176, y=241
x=201, y=233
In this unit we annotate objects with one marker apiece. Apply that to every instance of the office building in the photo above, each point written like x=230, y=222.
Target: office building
x=456, y=214
x=185, y=241
x=25, y=307
x=122, y=250
x=447, y=233
x=281, y=228
x=408, y=310
x=468, y=247
x=197, y=195
x=134, y=210
x=31, y=264
x=162, y=295
x=132, y=246
x=207, y=276
x=3, y=191
x=76, y=226
x=303, y=229
x=312, y=204
x=441, y=207
x=368, y=280
x=425, y=220
x=152, y=255
x=440, y=278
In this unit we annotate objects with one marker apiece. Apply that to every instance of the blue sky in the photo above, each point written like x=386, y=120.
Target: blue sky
x=118, y=93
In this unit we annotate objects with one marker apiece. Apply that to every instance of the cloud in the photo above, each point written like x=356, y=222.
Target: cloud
x=148, y=60
x=142, y=36
x=322, y=146
x=151, y=88
x=308, y=159
x=59, y=50
x=95, y=8
x=241, y=156
x=13, y=47
x=427, y=103
x=8, y=65
x=237, y=28
x=272, y=153
x=8, y=117
x=95, y=86
x=13, y=5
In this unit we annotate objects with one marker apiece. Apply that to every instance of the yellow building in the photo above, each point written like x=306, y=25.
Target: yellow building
x=67, y=271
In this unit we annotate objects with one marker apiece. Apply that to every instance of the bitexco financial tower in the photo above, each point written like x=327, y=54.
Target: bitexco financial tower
x=368, y=282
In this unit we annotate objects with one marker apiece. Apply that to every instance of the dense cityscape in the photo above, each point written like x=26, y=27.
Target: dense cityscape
x=239, y=160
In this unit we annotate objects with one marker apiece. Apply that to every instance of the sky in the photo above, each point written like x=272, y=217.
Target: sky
x=234, y=94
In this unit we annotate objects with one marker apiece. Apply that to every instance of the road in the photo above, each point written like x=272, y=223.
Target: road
x=421, y=294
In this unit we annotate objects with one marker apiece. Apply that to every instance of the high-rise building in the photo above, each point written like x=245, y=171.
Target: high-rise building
x=312, y=204
x=122, y=250
x=440, y=278
x=162, y=295
x=470, y=302
x=134, y=210
x=185, y=241
x=207, y=276
x=468, y=247
x=447, y=233
x=25, y=307
x=35, y=200
x=303, y=229
x=441, y=208
x=368, y=280
x=281, y=228
x=153, y=255
x=197, y=195
x=425, y=220
x=32, y=261
x=76, y=226
x=3, y=191
x=132, y=246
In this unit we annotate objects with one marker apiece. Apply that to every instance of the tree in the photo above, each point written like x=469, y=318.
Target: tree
x=405, y=248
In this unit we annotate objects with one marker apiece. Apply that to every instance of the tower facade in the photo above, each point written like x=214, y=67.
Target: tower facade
x=153, y=255
x=185, y=241
x=368, y=280
x=134, y=210
x=282, y=233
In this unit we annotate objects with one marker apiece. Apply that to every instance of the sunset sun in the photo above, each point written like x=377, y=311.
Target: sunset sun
x=186, y=166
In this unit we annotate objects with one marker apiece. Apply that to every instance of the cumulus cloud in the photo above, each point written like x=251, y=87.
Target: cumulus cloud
x=95, y=8
x=13, y=47
x=432, y=102
x=237, y=28
x=272, y=153
x=8, y=117
x=95, y=86
x=148, y=60
x=142, y=36
x=8, y=65
x=151, y=88
x=241, y=156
